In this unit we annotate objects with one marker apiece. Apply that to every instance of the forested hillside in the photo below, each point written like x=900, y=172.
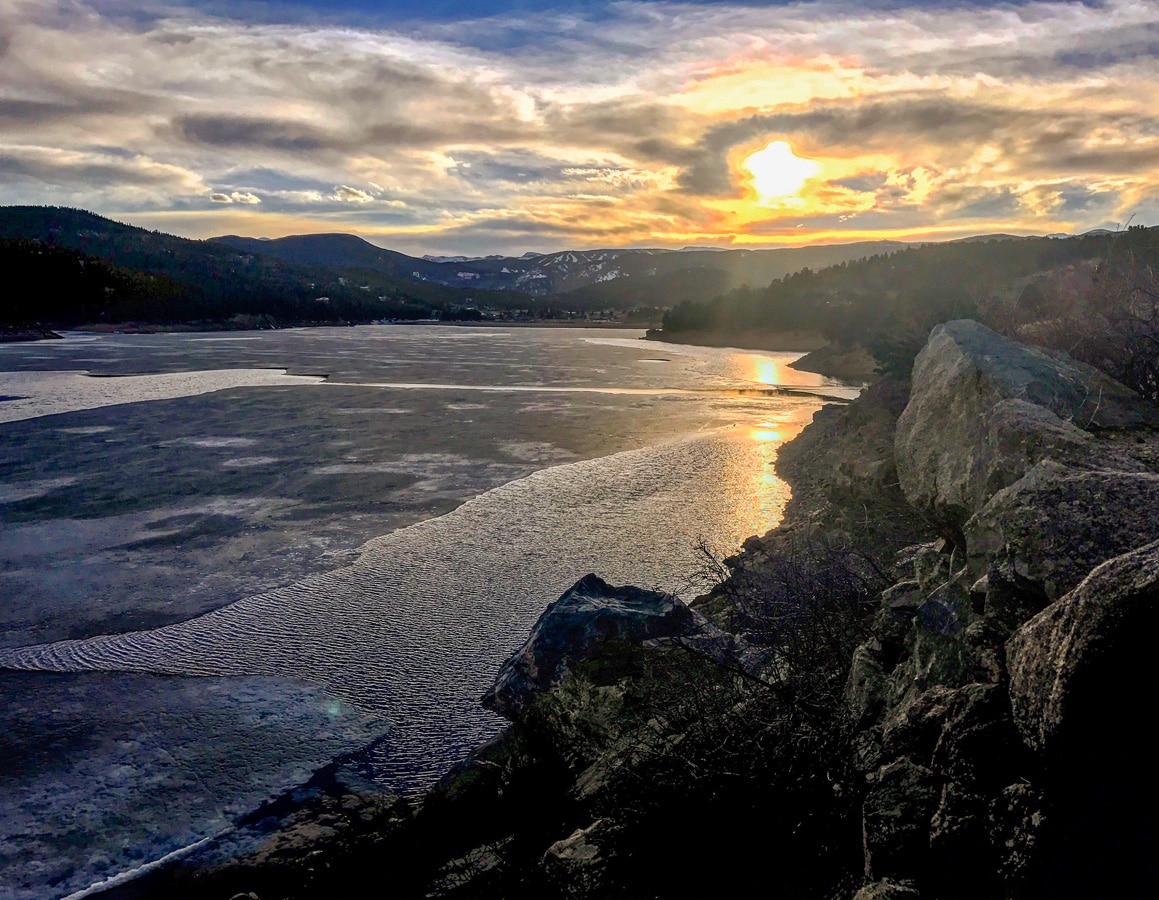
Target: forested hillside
x=82, y=268
x=888, y=303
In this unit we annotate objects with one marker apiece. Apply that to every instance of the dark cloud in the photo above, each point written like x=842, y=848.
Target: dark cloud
x=862, y=183
x=1140, y=43
x=638, y=128
x=521, y=167
x=989, y=205
x=84, y=170
x=515, y=167
x=71, y=174
x=70, y=106
x=1082, y=199
x=1112, y=159
x=248, y=132
x=15, y=110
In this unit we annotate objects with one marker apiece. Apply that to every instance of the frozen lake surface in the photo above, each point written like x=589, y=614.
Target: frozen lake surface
x=348, y=528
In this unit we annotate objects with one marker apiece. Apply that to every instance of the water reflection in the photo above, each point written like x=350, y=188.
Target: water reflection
x=774, y=369
x=760, y=494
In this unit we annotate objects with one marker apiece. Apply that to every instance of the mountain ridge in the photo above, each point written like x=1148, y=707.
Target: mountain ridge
x=564, y=271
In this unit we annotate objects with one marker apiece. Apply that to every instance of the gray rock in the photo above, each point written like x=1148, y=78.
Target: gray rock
x=960, y=732
x=932, y=566
x=978, y=747
x=896, y=815
x=724, y=648
x=1010, y=599
x=457, y=875
x=1057, y=523
x=905, y=558
x=578, y=848
x=960, y=833
x=590, y=613
x=865, y=689
x=1079, y=671
x=1016, y=826
x=903, y=595
x=578, y=863
x=984, y=409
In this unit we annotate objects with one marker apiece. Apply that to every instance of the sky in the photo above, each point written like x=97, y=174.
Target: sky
x=502, y=126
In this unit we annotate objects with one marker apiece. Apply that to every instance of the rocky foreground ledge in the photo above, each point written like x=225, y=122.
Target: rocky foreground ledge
x=933, y=680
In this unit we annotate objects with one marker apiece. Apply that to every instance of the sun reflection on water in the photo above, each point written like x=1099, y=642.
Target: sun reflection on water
x=760, y=494
x=767, y=370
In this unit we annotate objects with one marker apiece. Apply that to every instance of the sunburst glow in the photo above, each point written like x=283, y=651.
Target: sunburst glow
x=778, y=172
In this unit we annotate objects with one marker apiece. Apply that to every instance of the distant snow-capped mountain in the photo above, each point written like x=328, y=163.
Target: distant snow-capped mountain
x=546, y=274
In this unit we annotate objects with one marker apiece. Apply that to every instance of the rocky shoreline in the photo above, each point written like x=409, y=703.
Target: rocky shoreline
x=929, y=681
x=11, y=334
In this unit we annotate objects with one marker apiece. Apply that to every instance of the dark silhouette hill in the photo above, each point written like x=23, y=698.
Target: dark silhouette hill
x=84, y=268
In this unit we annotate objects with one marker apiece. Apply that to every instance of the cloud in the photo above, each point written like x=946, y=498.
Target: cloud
x=228, y=132
x=346, y=194
x=85, y=174
x=622, y=122
x=235, y=197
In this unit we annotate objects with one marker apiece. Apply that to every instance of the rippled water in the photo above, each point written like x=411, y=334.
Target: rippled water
x=415, y=630
x=412, y=627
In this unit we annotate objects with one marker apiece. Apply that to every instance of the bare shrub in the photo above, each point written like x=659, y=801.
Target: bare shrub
x=742, y=764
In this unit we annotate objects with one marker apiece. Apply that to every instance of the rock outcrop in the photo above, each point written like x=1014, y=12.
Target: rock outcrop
x=985, y=409
x=1083, y=692
x=838, y=362
x=590, y=613
x=1082, y=668
x=1057, y=523
x=992, y=745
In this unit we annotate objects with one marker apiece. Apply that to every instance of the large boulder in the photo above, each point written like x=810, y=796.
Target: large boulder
x=1057, y=523
x=984, y=409
x=590, y=613
x=1083, y=691
x=1082, y=670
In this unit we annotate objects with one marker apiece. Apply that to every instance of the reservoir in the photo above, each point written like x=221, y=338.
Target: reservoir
x=229, y=558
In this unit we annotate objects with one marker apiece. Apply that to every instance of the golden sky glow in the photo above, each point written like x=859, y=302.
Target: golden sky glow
x=580, y=125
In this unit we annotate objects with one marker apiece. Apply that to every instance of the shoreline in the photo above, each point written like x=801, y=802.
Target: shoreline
x=781, y=341
x=14, y=334
x=821, y=357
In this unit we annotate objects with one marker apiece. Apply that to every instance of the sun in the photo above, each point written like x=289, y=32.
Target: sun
x=778, y=172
